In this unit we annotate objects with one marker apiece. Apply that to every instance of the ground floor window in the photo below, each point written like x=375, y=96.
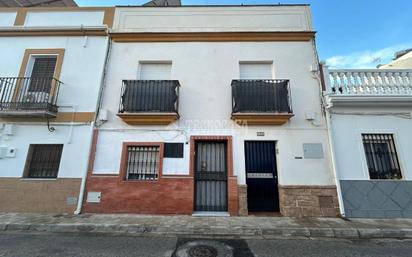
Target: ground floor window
x=43, y=161
x=381, y=156
x=143, y=162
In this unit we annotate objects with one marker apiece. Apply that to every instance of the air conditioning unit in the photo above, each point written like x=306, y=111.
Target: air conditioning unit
x=36, y=97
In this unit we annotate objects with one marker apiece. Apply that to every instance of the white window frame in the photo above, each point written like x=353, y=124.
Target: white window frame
x=32, y=58
x=141, y=63
x=262, y=62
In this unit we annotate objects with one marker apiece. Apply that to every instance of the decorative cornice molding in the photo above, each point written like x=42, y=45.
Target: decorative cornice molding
x=368, y=100
x=39, y=32
x=299, y=36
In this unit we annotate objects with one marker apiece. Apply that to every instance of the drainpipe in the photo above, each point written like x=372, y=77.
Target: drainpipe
x=335, y=170
x=326, y=86
x=84, y=177
x=322, y=75
x=103, y=80
x=98, y=104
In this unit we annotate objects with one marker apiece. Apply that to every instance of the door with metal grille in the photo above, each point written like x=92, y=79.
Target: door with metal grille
x=261, y=176
x=210, y=176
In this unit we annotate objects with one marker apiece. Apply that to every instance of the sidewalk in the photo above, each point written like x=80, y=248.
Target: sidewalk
x=237, y=227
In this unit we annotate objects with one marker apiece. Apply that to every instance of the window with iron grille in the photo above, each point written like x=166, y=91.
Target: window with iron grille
x=142, y=162
x=381, y=156
x=43, y=161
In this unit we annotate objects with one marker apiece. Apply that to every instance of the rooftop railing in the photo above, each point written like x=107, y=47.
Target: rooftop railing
x=368, y=82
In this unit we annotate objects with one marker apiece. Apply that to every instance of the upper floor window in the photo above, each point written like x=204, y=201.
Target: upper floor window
x=43, y=161
x=155, y=70
x=256, y=70
x=153, y=97
x=41, y=70
x=381, y=156
x=34, y=92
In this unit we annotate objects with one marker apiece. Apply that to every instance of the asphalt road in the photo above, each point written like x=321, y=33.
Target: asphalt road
x=58, y=245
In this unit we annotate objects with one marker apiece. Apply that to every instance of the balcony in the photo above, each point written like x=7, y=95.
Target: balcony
x=368, y=87
x=261, y=102
x=29, y=97
x=149, y=102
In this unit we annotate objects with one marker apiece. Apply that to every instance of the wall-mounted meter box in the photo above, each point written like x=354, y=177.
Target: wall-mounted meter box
x=3, y=152
x=9, y=129
x=313, y=151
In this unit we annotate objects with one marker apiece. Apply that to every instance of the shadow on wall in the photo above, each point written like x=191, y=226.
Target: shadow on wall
x=377, y=199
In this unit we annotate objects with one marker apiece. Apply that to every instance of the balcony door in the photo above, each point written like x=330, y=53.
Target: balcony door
x=42, y=73
x=38, y=85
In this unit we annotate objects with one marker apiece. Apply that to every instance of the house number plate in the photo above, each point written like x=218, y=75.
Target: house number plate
x=260, y=175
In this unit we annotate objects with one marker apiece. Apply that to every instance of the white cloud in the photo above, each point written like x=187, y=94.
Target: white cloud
x=365, y=59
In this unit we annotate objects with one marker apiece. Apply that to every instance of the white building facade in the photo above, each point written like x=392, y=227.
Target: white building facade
x=212, y=110
x=370, y=124
x=50, y=77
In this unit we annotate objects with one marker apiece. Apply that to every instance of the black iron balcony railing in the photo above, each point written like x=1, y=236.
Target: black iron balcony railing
x=36, y=96
x=149, y=96
x=261, y=96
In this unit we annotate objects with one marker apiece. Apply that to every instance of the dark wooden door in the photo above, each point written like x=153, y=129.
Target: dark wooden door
x=261, y=176
x=210, y=176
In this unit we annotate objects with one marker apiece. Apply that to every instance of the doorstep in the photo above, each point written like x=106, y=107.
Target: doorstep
x=210, y=214
x=265, y=214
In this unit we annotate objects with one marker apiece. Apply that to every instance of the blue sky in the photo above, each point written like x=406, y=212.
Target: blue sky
x=350, y=33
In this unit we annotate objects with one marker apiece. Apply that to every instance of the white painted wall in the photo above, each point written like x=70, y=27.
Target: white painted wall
x=81, y=70
x=74, y=158
x=350, y=156
x=205, y=72
x=7, y=19
x=58, y=19
x=81, y=74
x=192, y=19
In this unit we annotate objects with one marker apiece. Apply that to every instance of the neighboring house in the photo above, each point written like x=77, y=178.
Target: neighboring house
x=402, y=60
x=212, y=110
x=37, y=3
x=50, y=77
x=159, y=3
x=370, y=126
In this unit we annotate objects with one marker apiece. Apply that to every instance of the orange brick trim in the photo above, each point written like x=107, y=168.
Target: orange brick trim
x=175, y=176
x=170, y=194
x=104, y=175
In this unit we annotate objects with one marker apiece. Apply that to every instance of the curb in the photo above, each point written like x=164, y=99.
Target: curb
x=237, y=232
